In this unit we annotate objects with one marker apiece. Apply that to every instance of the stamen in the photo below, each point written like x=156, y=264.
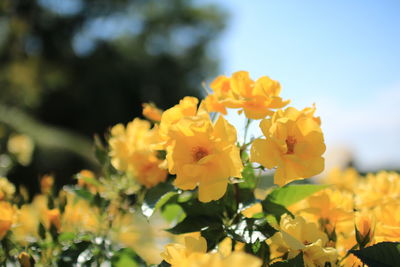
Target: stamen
x=290, y=143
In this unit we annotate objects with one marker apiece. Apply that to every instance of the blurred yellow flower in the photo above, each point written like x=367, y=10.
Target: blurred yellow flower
x=175, y=254
x=7, y=189
x=294, y=144
x=388, y=222
x=332, y=208
x=26, y=226
x=365, y=222
x=7, y=217
x=87, y=179
x=131, y=151
x=193, y=254
x=46, y=184
x=205, y=155
x=79, y=216
x=346, y=179
x=378, y=189
x=22, y=147
x=296, y=235
x=151, y=112
x=256, y=99
x=53, y=218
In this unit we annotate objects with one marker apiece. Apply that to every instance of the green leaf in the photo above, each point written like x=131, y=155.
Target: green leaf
x=42, y=231
x=194, y=224
x=156, y=197
x=290, y=194
x=249, y=177
x=259, y=249
x=214, y=235
x=80, y=192
x=101, y=152
x=272, y=208
x=294, y=262
x=66, y=237
x=90, y=180
x=384, y=254
x=194, y=207
x=173, y=212
x=126, y=257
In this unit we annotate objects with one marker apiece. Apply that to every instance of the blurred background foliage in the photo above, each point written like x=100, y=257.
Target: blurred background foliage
x=73, y=68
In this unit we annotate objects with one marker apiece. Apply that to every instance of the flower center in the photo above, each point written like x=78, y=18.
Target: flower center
x=290, y=143
x=198, y=153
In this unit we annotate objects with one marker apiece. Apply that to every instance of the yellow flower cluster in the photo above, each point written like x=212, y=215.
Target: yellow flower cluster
x=205, y=154
x=131, y=151
x=371, y=206
x=255, y=98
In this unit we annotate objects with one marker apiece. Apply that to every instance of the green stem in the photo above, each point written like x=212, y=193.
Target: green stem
x=246, y=129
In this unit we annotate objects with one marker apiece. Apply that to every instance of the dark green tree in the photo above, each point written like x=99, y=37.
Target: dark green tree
x=84, y=65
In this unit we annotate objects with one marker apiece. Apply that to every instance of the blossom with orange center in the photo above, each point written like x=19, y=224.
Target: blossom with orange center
x=203, y=154
x=294, y=144
x=255, y=98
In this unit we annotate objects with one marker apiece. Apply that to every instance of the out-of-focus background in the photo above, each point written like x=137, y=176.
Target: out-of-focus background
x=70, y=69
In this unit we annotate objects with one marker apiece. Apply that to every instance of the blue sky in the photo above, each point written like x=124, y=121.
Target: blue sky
x=342, y=55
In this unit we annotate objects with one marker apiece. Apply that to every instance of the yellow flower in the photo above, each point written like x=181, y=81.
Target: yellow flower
x=151, y=112
x=79, y=216
x=377, y=189
x=7, y=189
x=84, y=180
x=342, y=179
x=388, y=222
x=22, y=147
x=26, y=225
x=175, y=254
x=365, y=223
x=7, y=215
x=332, y=208
x=46, y=184
x=193, y=254
x=187, y=107
x=131, y=151
x=294, y=144
x=205, y=155
x=256, y=99
x=53, y=218
x=295, y=235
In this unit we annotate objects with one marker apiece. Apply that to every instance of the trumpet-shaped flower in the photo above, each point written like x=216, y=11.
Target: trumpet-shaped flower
x=193, y=254
x=296, y=235
x=255, y=98
x=203, y=154
x=332, y=208
x=294, y=144
x=131, y=151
